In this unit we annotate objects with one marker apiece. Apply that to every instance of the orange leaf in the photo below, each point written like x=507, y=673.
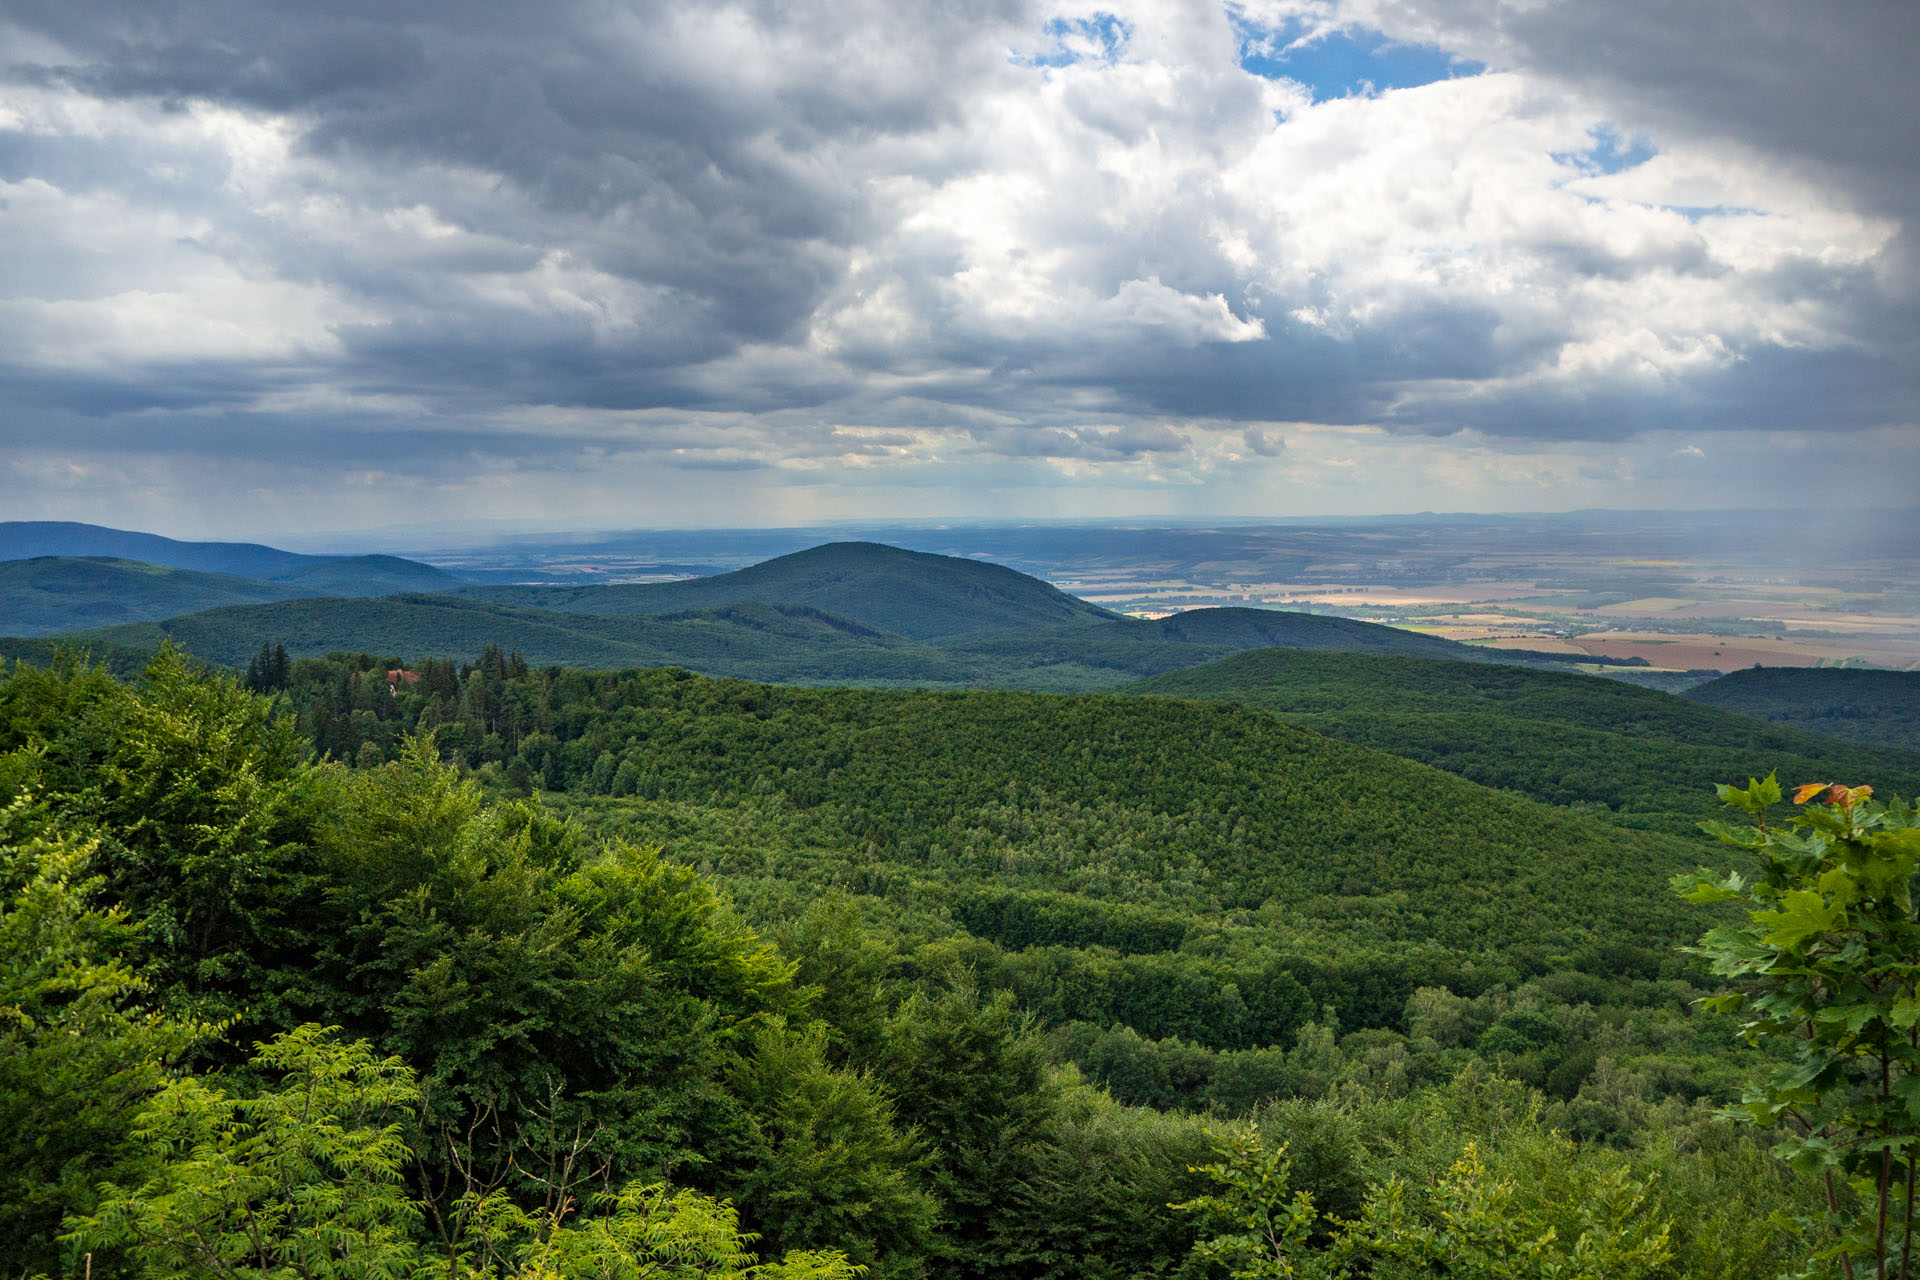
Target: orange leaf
x=1809, y=791
x=1845, y=796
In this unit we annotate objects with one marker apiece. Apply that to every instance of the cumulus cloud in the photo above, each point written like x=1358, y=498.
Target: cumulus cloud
x=820, y=244
x=1263, y=444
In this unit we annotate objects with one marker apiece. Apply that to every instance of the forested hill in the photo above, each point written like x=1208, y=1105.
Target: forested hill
x=122, y=660
x=1203, y=810
x=1175, y=889
x=58, y=577
x=844, y=613
x=1206, y=809
x=1867, y=706
x=1145, y=646
x=1239, y=628
x=50, y=594
x=779, y=642
x=770, y=642
x=909, y=593
x=366, y=576
x=1560, y=737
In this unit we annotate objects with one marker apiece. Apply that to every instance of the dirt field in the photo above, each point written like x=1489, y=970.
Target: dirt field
x=1723, y=653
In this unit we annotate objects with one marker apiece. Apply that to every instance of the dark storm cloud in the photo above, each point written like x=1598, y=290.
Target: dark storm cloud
x=33, y=393
x=1781, y=391
x=1092, y=444
x=685, y=177
x=1262, y=444
x=317, y=442
x=1830, y=88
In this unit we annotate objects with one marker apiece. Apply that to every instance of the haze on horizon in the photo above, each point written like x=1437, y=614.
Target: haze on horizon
x=272, y=270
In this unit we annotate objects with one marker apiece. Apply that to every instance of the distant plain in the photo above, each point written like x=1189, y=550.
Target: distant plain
x=1683, y=591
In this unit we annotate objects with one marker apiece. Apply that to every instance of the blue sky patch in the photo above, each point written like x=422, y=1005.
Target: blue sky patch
x=1696, y=212
x=1104, y=31
x=1611, y=152
x=1344, y=63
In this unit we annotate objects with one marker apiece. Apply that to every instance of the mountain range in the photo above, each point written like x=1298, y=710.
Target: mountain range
x=842, y=613
x=868, y=614
x=57, y=577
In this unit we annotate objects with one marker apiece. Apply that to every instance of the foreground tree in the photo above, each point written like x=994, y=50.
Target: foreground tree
x=1471, y=1223
x=1260, y=1225
x=1829, y=957
x=80, y=1050
x=304, y=1178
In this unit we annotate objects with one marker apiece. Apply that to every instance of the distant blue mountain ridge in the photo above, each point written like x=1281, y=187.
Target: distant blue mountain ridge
x=57, y=576
x=838, y=613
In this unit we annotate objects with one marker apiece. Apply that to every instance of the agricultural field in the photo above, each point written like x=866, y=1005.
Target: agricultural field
x=1701, y=591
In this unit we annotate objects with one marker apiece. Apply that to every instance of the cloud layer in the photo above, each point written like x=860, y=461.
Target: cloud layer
x=286, y=265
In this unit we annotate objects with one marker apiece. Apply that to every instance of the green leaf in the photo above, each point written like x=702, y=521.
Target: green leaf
x=1907, y=1089
x=1803, y=914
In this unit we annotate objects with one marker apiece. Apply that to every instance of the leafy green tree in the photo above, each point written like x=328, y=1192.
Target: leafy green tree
x=79, y=1054
x=649, y=1231
x=971, y=1075
x=259, y=670
x=189, y=789
x=548, y=995
x=302, y=1179
x=825, y=1161
x=1258, y=1226
x=1545, y=1211
x=1094, y=1203
x=1829, y=957
x=844, y=969
x=1473, y=1225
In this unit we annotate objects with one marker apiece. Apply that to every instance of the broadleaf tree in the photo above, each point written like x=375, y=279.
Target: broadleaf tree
x=1827, y=974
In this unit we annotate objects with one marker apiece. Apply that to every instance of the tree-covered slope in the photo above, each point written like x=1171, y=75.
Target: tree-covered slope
x=1212, y=809
x=847, y=613
x=50, y=594
x=1866, y=706
x=367, y=576
x=771, y=642
x=1138, y=646
x=1561, y=737
x=122, y=660
x=1208, y=810
x=1267, y=628
x=469, y=1019
x=909, y=593
x=1202, y=906
x=320, y=574
x=781, y=642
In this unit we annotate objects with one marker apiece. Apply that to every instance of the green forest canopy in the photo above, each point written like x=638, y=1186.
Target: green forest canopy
x=939, y=980
x=1565, y=738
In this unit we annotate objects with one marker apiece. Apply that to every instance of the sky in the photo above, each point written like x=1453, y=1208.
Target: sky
x=281, y=267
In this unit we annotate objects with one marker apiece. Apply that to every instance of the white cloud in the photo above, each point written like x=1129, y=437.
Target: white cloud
x=716, y=235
